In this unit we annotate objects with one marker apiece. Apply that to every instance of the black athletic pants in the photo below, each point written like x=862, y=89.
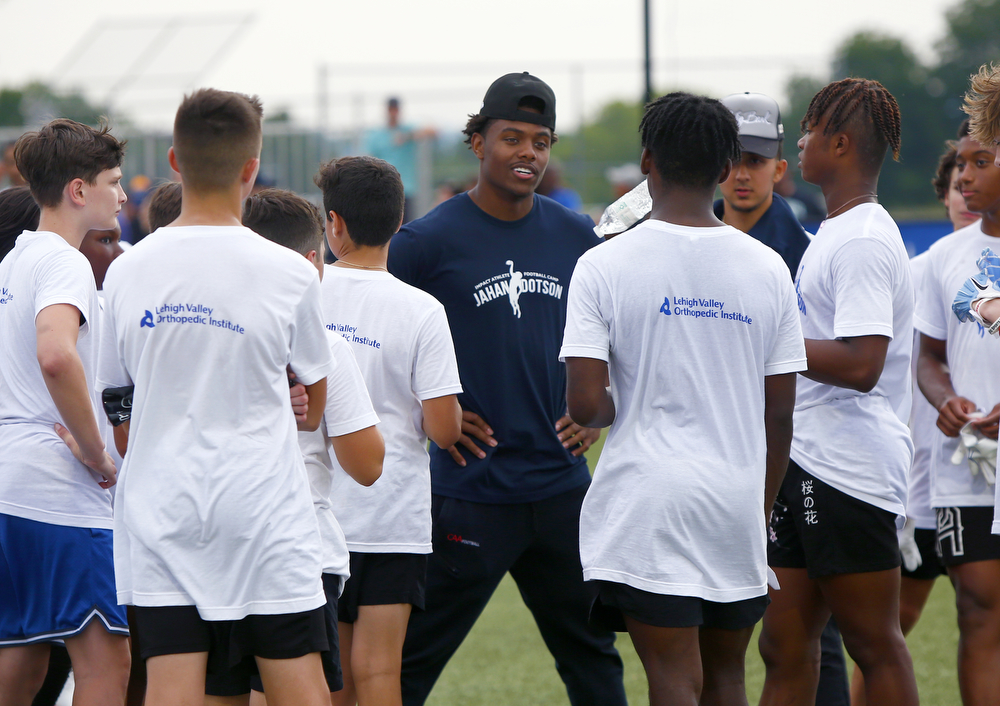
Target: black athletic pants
x=833, y=680
x=475, y=545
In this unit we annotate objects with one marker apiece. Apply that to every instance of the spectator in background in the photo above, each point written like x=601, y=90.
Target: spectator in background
x=8, y=169
x=132, y=217
x=623, y=179
x=396, y=143
x=551, y=185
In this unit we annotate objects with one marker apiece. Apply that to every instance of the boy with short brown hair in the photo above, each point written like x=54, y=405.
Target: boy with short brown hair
x=50, y=496
x=216, y=542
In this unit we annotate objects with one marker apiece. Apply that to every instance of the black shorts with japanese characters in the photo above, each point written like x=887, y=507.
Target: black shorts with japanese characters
x=964, y=535
x=816, y=527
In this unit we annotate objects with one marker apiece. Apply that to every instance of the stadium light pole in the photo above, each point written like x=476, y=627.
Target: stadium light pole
x=648, y=65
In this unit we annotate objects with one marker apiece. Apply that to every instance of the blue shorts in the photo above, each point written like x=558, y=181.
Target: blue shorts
x=54, y=580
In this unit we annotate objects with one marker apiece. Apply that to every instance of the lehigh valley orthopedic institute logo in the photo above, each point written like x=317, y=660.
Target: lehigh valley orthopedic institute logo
x=147, y=320
x=512, y=284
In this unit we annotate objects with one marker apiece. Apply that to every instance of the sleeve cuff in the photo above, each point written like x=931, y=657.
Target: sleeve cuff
x=582, y=351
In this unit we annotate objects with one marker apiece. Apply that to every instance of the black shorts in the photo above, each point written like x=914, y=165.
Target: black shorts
x=616, y=600
x=383, y=579
x=963, y=535
x=232, y=644
x=816, y=527
x=930, y=566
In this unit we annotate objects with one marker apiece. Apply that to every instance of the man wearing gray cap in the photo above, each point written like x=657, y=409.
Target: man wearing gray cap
x=749, y=204
x=748, y=200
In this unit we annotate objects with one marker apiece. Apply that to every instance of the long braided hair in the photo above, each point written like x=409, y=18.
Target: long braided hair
x=689, y=137
x=863, y=106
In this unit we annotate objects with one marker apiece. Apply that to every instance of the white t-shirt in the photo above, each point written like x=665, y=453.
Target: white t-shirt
x=214, y=508
x=39, y=478
x=348, y=409
x=401, y=340
x=854, y=280
x=690, y=320
x=923, y=426
x=973, y=358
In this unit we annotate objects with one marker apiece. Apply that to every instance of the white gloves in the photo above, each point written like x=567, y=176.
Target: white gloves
x=908, y=545
x=980, y=451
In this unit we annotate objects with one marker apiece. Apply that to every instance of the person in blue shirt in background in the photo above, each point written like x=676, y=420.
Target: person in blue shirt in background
x=396, y=143
x=507, y=497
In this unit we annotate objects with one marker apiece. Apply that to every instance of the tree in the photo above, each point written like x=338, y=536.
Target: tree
x=972, y=38
x=612, y=139
x=37, y=102
x=924, y=129
x=925, y=117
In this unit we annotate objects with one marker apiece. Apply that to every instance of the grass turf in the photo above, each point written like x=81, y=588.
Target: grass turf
x=504, y=661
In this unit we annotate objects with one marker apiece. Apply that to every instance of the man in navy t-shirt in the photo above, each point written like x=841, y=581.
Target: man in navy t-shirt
x=507, y=497
x=749, y=203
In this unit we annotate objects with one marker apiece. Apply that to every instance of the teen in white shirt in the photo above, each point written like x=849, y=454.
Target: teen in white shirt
x=403, y=346
x=958, y=371
x=833, y=542
x=217, y=543
x=55, y=494
x=696, y=324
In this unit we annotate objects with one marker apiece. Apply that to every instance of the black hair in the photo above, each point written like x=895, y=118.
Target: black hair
x=18, y=212
x=286, y=219
x=690, y=138
x=946, y=165
x=964, y=130
x=481, y=123
x=367, y=193
x=863, y=106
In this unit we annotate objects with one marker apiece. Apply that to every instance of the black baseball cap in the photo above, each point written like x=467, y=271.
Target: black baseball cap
x=506, y=93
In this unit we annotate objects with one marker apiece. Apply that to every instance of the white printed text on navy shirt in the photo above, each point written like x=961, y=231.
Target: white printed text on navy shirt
x=512, y=284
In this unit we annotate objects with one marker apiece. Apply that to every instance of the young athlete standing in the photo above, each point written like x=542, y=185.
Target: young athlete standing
x=401, y=340
x=750, y=204
x=673, y=529
x=216, y=541
x=918, y=537
x=959, y=372
x=833, y=543
x=50, y=324
x=507, y=498
x=348, y=431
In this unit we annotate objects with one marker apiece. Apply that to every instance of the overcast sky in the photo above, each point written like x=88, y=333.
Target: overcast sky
x=438, y=56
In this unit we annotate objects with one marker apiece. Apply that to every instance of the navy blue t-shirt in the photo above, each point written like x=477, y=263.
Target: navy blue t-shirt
x=503, y=285
x=779, y=229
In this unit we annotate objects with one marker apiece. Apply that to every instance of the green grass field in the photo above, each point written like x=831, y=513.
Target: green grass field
x=504, y=660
